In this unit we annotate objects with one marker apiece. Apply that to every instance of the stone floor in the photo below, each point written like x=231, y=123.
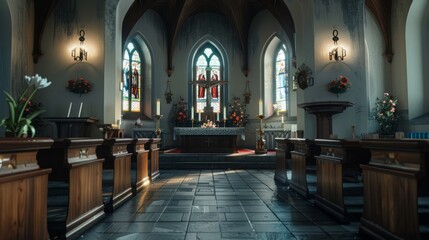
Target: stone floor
x=216, y=204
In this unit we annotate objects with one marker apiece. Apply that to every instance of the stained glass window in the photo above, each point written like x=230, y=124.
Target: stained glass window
x=132, y=80
x=281, y=78
x=208, y=68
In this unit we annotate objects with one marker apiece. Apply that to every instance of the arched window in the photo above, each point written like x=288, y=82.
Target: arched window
x=132, y=81
x=281, y=78
x=208, y=67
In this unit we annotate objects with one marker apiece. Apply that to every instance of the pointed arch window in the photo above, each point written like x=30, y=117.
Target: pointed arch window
x=208, y=67
x=281, y=78
x=132, y=80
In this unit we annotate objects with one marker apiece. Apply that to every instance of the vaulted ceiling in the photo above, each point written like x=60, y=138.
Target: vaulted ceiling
x=239, y=12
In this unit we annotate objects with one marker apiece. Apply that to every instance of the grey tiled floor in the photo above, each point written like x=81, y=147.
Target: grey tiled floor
x=230, y=204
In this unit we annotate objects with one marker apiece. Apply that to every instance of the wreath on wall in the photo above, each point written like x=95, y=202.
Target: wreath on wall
x=80, y=86
x=302, y=77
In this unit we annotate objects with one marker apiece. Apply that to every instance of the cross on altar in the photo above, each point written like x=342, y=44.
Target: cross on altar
x=204, y=85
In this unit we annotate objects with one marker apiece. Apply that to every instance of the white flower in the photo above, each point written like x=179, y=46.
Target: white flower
x=37, y=81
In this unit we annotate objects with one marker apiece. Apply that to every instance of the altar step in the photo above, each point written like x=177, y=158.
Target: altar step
x=244, y=159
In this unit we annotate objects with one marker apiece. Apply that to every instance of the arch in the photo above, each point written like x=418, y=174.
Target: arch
x=5, y=55
x=416, y=35
x=267, y=58
x=203, y=41
x=147, y=83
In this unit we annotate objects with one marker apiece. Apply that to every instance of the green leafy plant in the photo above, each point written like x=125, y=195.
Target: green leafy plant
x=386, y=114
x=19, y=122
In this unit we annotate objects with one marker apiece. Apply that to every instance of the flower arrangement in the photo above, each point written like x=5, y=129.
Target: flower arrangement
x=181, y=111
x=237, y=114
x=21, y=111
x=208, y=124
x=386, y=114
x=80, y=85
x=339, y=85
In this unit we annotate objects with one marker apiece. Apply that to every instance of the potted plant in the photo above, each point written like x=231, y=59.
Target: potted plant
x=386, y=114
x=237, y=115
x=19, y=122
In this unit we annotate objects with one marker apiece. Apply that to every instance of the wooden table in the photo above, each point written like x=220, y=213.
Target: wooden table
x=75, y=198
x=339, y=178
x=72, y=127
x=23, y=189
x=208, y=140
x=395, y=181
x=303, y=166
x=139, y=164
x=283, y=150
x=116, y=171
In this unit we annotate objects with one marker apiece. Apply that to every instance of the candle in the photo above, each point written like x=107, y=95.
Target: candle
x=192, y=112
x=260, y=107
x=217, y=117
x=80, y=109
x=283, y=121
x=224, y=112
x=199, y=116
x=158, y=107
x=70, y=106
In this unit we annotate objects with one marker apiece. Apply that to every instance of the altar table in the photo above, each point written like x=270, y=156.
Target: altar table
x=209, y=140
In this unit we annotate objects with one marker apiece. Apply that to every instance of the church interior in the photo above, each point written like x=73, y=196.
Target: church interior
x=201, y=119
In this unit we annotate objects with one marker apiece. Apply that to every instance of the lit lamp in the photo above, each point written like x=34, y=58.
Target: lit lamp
x=79, y=53
x=247, y=94
x=337, y=52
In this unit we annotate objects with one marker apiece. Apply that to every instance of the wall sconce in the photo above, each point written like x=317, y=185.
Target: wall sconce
x=168, y=94
x=337, y=52
x=247, y=94
x=79, y=54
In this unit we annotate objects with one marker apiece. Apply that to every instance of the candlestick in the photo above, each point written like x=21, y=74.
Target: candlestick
x=158, y=125
x=224, y=112
x=192, y=112
x=70, y=106
x=260, y=107
x=80, y=109
x=158, y=107
x=217, y=117
x=283, y=121
x=260, y=143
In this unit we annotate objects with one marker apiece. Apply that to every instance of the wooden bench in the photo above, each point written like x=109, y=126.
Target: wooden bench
x=283, y=156
x=396, y=189
x=153, y=147
x=139, y=164
x=303, y=166
x=23, y=189
x=339, y=178
x=74, y=194
x=116, y=171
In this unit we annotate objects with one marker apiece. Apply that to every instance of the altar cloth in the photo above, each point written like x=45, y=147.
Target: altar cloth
x=198, y=131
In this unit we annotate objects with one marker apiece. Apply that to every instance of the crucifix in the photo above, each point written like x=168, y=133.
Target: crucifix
x=207, y=87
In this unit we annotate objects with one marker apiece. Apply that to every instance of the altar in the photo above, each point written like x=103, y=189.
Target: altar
x=208, y=140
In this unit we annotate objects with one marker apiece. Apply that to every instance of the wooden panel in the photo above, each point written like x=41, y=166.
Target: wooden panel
x=209, y=144
x=122, y=180
x=153, y=147
x=298, y=180
x=390, y=207
x=139, y=163
x=284, y=147
x=23, y=205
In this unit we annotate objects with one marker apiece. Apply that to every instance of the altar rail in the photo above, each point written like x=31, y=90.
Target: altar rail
x=270, y=135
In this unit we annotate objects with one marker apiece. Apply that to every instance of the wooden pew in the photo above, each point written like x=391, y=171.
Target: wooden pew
x=284, y=147
x=139, y=164
x=153, y=147
x=396, y=189
x=23, y=189
x=116, y=172
x=303, y=166
x=339, y=178
x=74, y=195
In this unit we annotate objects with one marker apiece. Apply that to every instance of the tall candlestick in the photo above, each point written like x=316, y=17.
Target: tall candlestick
x=199, y=116
x=283, y=121
x=80, y=109
x=224, y=112
x=192, y=112
x=158, y=107
x=260, y=107
x=70, y=106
